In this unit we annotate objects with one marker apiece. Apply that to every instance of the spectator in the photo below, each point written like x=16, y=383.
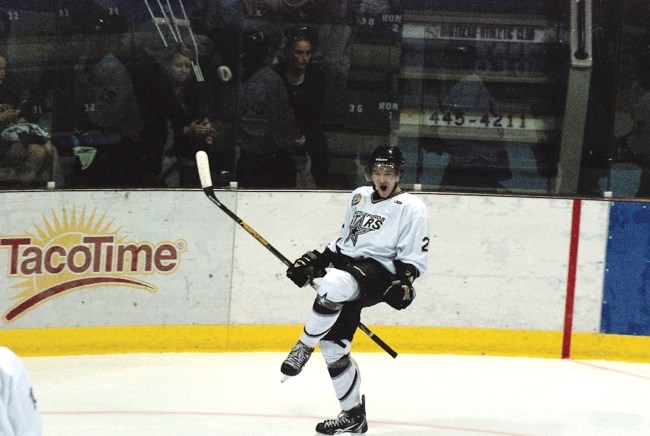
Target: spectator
x=637, y=142
x=270, y=145
x=305, y=81
x=473, y=163
x=184, y=103
x=9, y=93
x=27, y=157
x=19, y=415
x=105, y=105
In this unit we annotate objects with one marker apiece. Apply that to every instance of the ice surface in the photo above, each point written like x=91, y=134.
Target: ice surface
x=235, y=394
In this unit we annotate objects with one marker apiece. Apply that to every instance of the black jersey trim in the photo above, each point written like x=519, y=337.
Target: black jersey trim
x=376, y=198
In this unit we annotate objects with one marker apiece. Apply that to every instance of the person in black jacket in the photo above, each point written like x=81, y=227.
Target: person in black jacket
x=305, y=81
x=270, y=145
x=9, y=93
x=176, y=113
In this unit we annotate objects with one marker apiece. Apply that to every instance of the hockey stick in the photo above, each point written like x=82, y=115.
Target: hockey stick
x=203, y=166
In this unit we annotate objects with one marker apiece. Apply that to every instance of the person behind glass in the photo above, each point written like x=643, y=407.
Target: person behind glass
x=270, y=146
x=19, y=415
x=186, y=106
x=27, y=157
x=379, y=251
x=105, y=105
x=9, y=93
x=636, y=144
x=305, y=82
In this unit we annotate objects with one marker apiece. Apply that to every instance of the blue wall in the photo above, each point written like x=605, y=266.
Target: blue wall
x=626, y=297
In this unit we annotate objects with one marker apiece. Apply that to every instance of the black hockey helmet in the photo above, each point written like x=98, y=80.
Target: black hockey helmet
x=385, y=156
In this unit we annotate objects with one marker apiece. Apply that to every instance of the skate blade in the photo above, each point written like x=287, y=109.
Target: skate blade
x=285, y=378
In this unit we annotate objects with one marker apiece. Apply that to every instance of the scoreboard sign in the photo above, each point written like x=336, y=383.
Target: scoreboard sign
x=382, y=27
x=373, y=110
x=476, y=119
x=481, y=32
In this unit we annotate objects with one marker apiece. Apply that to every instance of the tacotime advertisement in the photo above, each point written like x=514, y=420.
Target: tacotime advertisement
x=111, y=258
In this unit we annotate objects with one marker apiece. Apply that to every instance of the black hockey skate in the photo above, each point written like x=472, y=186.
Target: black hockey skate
x=348, y=421
x=296, y=360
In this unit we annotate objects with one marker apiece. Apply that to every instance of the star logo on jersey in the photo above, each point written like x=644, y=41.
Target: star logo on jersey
x=362, y=223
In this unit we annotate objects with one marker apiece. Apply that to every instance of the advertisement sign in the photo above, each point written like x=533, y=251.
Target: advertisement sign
x=113, y=258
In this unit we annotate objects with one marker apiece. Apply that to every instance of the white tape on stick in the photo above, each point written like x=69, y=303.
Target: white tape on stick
x=203, y=166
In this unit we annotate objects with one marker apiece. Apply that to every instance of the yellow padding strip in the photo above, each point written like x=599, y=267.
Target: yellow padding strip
x=610, y=347
x=421, y=340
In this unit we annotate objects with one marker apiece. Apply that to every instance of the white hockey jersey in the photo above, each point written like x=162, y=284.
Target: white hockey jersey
x=18, y=413
x=396, y=228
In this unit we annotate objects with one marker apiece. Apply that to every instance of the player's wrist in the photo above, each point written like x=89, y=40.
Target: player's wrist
x=405, y=273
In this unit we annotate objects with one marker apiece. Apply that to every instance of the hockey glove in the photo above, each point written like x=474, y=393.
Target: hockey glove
x=399, y=294
x=308, y=267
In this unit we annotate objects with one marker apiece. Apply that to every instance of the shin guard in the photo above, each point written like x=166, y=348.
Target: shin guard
x=344, y=373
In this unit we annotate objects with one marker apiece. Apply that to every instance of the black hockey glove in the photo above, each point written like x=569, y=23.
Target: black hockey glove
x=309, y=266
x=400, y=293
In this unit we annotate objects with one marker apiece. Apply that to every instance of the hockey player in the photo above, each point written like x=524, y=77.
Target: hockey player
x=18, y=413
x=380, y=250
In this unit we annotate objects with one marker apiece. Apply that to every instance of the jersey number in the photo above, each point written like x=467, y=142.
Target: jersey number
x=425, y=244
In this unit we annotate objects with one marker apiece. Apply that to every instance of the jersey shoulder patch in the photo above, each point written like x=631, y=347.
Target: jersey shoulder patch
x=359, y=193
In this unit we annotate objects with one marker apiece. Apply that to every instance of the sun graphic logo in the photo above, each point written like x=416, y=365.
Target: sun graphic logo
x=73, y=251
